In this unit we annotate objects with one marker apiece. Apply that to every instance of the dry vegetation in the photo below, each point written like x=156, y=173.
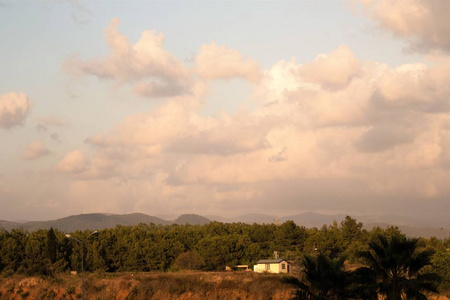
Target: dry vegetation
x=186, y=285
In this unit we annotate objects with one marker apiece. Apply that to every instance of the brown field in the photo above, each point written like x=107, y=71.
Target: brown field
x=183, y=285
x=186, y=285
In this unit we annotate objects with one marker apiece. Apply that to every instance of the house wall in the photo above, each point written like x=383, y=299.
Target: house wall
x=274, y=268
x=286, y=267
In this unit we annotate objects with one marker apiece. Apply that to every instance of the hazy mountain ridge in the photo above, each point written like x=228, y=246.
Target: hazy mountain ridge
x=191, y=219
x=9, y=225
x=248, y=218
x=97, y=221
x=94, y=221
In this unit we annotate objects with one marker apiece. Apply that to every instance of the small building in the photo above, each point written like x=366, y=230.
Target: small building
x=277, y=265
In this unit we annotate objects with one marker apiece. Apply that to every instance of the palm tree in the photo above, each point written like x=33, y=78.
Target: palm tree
x=324, y=278
x=395, y=269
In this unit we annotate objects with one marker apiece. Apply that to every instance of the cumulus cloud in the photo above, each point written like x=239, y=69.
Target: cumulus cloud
x=335, y=69
x=14, y=109
x=218, y=62
x=424, y=23
x=224, y=136
x=310, y=136
x=156, y=72
x=35, y=150
x=416, y=86
x=74, y=162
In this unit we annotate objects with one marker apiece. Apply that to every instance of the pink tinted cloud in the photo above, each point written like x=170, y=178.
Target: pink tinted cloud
x=14, y=109
x=74, y=162
x=154, y=71
x=424, y=23
x=218, y=62
x=35, y=150
x=308, y=127
x=335, y=69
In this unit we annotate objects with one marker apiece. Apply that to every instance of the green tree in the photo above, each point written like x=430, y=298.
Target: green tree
x=351, y=229
x=36, y=260
x=355, y=238
x=226, y=250
x=52, y=245
x=290, y=237
x=394, y=268
x=328, y=240
x=441, y=265
x=190, y=260
x=12, y=249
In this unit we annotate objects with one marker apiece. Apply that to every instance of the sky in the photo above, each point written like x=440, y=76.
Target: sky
x=224, y=108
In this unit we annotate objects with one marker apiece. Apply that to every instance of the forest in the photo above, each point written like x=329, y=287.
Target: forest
x=342, y=253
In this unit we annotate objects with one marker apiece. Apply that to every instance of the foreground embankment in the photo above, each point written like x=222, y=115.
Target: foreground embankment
x=187, y=285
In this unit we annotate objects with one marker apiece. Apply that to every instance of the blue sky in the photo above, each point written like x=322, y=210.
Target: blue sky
x=222, y=106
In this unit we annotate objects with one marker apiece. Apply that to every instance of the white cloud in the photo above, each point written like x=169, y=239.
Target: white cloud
x=335, y=69
x=14, y=109
x=35, y=150
x=218, y=62
x=417, y=86
x=309, y=132
x=74, y=162
x=424, y=23
x=156, y=72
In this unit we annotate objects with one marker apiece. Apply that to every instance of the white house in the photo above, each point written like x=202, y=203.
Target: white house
x=278, y=265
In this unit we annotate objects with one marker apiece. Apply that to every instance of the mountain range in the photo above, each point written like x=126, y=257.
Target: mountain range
x=97, y=221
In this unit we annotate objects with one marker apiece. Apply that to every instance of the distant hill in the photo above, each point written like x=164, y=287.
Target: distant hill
x=87, y=221
x=310, y=219
x=425, y=232
x=255, y=218
x=8, y=225
x=249, y=219
x=97, y=221
x=191, y=219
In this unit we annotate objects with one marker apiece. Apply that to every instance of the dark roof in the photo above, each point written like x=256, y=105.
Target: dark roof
x=270, y=261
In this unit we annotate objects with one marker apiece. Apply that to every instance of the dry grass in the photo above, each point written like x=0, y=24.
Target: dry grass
x=185, y=285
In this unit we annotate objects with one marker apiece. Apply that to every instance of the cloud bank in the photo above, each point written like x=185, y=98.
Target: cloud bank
x=335, y=127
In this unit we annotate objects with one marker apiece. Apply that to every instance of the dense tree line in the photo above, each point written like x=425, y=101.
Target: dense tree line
x=149, y=247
